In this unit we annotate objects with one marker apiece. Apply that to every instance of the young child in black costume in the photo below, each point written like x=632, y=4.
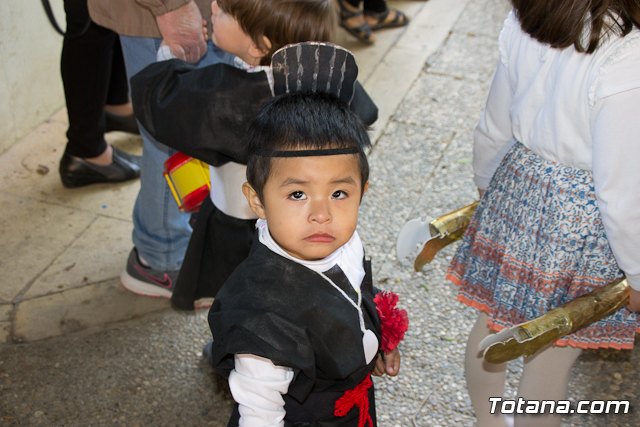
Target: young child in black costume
x=205, y=113
x=298, y=327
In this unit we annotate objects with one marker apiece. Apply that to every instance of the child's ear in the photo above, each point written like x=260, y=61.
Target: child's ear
x=254, y=200
x=365, y=187
x=260, y=51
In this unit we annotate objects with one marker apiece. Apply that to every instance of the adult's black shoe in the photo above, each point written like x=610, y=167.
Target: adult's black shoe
x=115, y=122
x=76, y=172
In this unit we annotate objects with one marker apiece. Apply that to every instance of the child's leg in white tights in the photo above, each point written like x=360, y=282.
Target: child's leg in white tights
x=545, y=377
x=484, y=380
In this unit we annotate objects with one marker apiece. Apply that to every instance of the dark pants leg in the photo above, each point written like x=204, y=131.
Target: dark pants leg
x=376, y=6
x=118, y=93
x=86, y=67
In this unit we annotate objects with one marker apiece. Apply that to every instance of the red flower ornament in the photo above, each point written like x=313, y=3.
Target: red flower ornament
x=394, y=322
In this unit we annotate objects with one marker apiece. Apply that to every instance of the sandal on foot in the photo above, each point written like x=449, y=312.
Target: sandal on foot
x=399, y=19
x=363, y=31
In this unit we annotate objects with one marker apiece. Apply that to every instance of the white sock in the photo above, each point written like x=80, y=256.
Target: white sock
x=546, y=377
x=484, y=379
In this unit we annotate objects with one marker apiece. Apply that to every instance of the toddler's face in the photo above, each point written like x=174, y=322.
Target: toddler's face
x=227, y=34
x=311, y=203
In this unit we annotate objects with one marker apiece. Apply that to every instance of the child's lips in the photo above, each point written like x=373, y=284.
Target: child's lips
x=320, y=238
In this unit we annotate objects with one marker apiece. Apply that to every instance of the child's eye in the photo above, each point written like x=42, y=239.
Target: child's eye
x=297, y=195
x=339, y=195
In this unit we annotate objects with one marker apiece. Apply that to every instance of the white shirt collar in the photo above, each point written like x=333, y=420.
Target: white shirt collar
x=348, y=256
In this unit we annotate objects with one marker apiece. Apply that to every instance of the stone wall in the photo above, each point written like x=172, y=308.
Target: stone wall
x=30, y=84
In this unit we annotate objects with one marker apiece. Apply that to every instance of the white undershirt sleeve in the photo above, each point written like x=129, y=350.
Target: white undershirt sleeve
x=257, y=385
x=164, y=53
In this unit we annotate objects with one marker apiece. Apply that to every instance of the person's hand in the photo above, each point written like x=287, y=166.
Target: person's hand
x=388, y=363
x=634, y=300
x=181, y=30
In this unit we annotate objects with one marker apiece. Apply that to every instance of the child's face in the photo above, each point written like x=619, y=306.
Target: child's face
x=311, y=203
x=227, y=34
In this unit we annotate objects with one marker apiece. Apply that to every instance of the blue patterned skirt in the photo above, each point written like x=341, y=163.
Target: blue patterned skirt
x=536, y=242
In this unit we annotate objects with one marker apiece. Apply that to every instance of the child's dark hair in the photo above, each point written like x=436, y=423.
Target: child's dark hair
x=303, y=121
x=283, y=22
x=561, y=23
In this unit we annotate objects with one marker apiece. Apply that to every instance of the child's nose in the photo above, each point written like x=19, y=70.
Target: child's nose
x=214, y=7
x=320, y=212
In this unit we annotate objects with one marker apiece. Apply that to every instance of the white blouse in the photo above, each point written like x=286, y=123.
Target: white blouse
x=577, y=109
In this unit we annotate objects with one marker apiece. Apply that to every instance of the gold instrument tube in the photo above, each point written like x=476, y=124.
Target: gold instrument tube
x=529, y=337
x=454, y=222
x=444, y=230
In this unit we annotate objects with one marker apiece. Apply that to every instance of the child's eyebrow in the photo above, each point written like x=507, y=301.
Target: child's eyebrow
x=293, y=181
x=345, y=180
x=296, y=181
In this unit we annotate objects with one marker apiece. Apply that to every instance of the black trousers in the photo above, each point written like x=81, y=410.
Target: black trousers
x=376, y=6
x=93, y=75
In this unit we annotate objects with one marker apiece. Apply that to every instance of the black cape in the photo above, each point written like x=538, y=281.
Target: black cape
x=278, y=309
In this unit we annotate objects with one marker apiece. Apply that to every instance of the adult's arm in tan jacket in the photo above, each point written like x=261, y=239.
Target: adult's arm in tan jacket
x=178, y=22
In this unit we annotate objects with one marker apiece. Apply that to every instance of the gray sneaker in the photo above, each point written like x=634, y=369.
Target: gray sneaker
x=143, y=280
